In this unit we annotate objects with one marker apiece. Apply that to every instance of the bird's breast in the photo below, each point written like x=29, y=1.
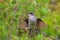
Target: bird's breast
x=32, y=18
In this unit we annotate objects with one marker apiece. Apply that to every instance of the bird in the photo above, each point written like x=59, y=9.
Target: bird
x=25, y=26
x=33, y=18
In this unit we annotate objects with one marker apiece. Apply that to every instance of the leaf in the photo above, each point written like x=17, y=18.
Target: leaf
x=2, y=6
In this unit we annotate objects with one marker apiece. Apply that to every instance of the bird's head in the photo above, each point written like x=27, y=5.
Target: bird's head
x=31, y=14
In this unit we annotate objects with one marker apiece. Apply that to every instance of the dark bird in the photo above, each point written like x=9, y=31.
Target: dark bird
x=32, y=20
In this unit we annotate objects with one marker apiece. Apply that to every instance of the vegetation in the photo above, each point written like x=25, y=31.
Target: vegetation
x=13, y=13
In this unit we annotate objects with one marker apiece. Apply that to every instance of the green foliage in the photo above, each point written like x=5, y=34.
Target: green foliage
x=2, y=6
x=9, y=17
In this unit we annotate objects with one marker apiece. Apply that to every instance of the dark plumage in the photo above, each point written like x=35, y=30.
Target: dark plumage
x=36, y=29
x=31, y=13
x=32, y=24
x=38, y=21
x=24, y=26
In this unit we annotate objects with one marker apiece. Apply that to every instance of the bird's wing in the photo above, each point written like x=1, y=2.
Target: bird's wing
x=26, y=21
x=23, y=25
x=40, y=23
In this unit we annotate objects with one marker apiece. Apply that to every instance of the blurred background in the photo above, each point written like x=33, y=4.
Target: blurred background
x=13, y=13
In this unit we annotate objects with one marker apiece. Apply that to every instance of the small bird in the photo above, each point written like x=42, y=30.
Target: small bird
x=32, y=20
